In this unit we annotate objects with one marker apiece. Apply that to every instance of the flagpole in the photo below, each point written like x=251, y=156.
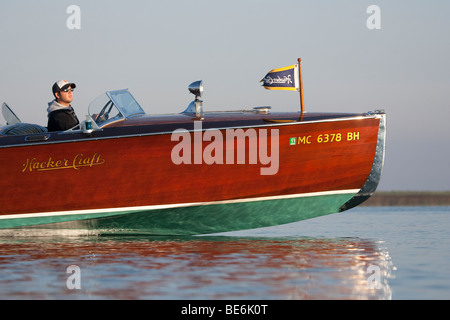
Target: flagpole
x=302, y=105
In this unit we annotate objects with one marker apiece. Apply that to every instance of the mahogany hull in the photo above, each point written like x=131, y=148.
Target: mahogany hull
x=135, y=183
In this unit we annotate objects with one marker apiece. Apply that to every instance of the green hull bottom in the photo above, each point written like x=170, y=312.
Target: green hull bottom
x=190, y=220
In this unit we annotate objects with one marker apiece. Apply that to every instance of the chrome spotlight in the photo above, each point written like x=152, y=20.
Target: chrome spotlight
x=196, y=88
x=196, y=106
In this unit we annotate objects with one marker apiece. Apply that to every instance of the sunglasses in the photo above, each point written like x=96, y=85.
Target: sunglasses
x=67, y=90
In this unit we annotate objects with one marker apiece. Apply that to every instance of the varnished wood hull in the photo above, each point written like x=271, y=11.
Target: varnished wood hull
x=130, y=183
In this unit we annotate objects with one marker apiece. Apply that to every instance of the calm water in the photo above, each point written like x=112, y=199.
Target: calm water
x=365, y=253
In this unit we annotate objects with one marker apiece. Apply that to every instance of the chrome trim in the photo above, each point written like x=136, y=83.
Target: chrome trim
x=40, y=137
x=373, y=180
x=262, y=110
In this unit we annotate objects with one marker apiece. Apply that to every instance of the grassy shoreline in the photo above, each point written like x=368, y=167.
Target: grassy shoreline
x=409, y=198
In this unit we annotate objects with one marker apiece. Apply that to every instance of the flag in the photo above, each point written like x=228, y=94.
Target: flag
x=286, y=78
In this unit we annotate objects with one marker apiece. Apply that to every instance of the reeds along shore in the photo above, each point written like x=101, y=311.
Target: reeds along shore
x=409, y=198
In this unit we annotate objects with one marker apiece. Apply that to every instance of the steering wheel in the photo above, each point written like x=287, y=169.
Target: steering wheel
x=104, y=115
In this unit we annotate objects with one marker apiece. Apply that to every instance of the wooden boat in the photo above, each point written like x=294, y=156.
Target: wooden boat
x=195, y=172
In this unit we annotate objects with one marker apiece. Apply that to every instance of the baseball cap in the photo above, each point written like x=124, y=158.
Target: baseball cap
x=61, y=84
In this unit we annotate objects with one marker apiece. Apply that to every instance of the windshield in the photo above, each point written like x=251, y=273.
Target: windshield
x=125, y=102
x=114, y=105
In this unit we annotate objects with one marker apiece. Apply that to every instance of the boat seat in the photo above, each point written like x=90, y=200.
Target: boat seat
x=23, y=129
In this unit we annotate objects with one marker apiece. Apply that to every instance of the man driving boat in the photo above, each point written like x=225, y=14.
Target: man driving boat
x=61, y=115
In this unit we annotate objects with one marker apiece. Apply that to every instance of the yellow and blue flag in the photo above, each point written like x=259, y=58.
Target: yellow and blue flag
x=286, y=78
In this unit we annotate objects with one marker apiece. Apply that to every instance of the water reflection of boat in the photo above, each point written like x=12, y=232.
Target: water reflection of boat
x=200, y=268
x=188, y=173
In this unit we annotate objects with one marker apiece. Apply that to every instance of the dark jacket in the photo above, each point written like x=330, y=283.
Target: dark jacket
x=60, y=119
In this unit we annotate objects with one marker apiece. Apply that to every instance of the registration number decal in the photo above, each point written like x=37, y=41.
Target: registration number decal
x=325, y=138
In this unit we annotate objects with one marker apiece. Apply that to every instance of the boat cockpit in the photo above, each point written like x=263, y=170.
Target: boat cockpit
x=110, y=107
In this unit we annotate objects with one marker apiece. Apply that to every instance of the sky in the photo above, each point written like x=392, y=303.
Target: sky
x=157, y=48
